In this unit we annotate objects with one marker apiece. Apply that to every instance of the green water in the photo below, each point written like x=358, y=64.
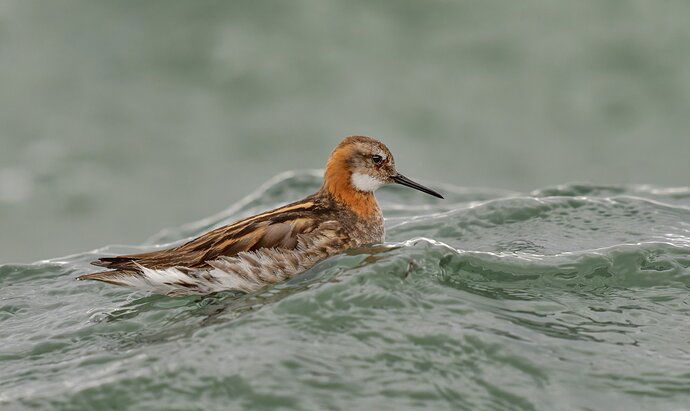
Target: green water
x=568, y=297
x=121, y=122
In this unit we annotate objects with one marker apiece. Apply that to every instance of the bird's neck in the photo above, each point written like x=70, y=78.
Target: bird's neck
x=338, y=184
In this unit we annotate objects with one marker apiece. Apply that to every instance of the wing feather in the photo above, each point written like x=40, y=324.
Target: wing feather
x=275, y=230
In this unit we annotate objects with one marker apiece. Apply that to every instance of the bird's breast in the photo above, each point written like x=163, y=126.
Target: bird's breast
x=368, y=231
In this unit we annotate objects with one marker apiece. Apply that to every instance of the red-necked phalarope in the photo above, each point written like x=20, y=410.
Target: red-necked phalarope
x=278, y=244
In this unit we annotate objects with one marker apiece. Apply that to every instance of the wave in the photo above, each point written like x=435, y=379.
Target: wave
x=490, y=299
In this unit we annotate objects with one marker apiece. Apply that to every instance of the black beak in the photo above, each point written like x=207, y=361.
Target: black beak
x=401, y=179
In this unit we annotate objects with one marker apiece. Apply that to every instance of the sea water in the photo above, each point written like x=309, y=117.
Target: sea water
x=574, y=296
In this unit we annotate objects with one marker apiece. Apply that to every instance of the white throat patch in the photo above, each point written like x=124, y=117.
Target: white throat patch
x=365, y=182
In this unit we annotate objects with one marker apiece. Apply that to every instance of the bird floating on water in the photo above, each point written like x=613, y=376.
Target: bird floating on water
x=278, y=244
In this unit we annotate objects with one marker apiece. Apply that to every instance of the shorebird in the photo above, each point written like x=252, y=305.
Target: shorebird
x=278, y=244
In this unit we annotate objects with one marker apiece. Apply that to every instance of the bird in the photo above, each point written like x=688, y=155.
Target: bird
x=278, y=244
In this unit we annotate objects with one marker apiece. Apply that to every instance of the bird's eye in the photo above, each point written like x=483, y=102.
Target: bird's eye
x=377, y=159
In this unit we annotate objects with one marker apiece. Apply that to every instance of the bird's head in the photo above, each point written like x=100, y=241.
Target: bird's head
x=359, y=165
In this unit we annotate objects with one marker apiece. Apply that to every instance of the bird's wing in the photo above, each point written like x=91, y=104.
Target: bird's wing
x=276, y=229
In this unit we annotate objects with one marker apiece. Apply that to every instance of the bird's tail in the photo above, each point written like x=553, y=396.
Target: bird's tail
x=110, y=277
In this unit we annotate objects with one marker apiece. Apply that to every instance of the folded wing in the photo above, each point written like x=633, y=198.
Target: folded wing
x=288, y=232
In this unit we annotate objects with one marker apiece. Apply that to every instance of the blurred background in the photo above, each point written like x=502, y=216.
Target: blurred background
x=118, y=119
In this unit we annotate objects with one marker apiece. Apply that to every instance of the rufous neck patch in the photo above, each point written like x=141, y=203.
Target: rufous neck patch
x=338, y=182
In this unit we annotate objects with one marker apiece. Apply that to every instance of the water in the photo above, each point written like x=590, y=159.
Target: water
x=573, y=296
x=120, y=118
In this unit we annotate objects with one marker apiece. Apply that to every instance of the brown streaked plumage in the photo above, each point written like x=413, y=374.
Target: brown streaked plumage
x=275, y=245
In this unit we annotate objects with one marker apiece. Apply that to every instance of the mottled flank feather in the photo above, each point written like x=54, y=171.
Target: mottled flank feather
x=246, y=271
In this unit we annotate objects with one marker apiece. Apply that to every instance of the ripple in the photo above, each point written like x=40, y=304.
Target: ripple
x=492, y=299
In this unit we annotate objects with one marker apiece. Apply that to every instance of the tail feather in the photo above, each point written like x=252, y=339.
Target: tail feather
x=111, y=261
x=110, y=277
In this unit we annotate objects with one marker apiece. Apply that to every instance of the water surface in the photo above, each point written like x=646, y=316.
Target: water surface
x=567, y=297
